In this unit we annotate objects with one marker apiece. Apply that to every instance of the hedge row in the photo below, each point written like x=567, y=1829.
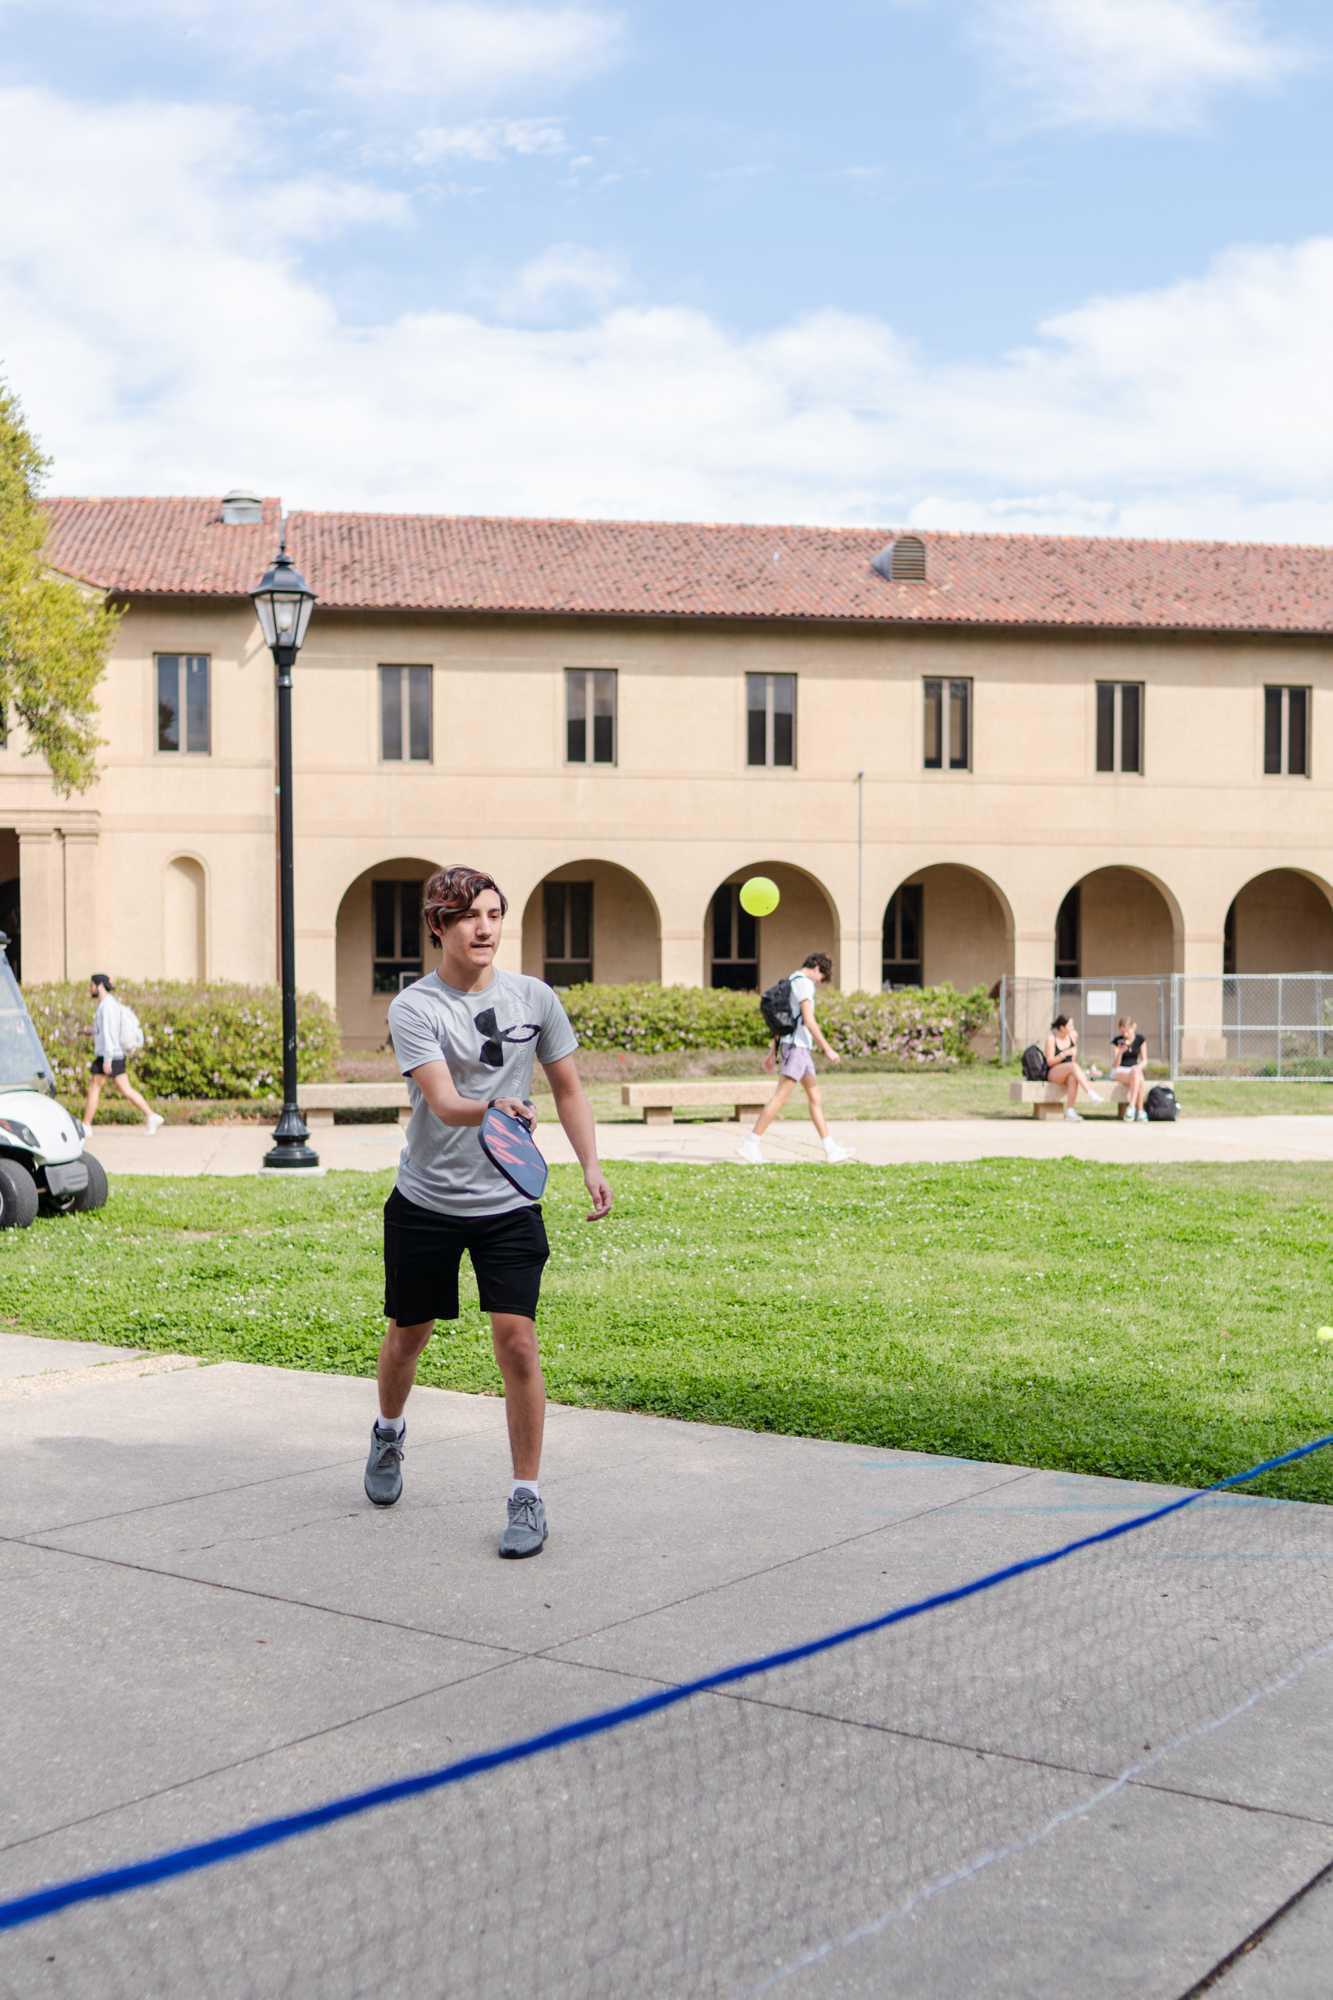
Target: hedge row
x=914, y=1027
x=200, y=1041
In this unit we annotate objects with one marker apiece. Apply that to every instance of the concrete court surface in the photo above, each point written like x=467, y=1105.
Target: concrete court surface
x=205, y=1624
x=239, y=1149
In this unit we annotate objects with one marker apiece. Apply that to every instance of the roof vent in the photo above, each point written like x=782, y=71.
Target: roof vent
x=241, y=507
x=902, y=560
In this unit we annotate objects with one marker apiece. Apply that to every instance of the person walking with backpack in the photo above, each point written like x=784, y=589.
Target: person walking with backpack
x=789, y=1009
x=116, y=1036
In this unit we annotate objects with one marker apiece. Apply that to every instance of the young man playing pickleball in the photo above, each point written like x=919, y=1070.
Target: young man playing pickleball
x=793, y=1056
x=465, y=1038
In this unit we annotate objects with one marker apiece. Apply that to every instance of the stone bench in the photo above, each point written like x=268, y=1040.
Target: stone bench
x=659, y=1102
x=319, y=1101
x=1048, y=1099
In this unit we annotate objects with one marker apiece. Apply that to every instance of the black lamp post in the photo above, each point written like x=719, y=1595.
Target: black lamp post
x=284, y=600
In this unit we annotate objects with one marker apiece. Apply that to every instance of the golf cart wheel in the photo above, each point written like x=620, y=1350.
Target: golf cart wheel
x=96, y=1192
x=18, y=1196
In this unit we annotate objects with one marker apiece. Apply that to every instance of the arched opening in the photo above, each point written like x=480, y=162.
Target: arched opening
x=591, y=920
x=184, y=920
x=1117, y=942
x=11, y=915
x=1281, y=921
x=380, y=945
x=748, y=953
x=946, y=925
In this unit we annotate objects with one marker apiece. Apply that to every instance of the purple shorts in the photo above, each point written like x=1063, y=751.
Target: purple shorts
x=796, y=1063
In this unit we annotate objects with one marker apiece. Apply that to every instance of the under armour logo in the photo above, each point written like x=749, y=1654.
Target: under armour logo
x=494, y=1036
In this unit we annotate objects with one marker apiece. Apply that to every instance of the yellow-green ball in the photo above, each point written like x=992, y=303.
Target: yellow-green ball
x=759, y=896
x=1325, y=1333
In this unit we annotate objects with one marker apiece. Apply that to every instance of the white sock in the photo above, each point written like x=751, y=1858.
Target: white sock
x=395, y=1424
x=530, y=1484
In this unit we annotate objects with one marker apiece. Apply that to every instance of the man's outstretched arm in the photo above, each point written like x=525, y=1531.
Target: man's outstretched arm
x=575, y=1114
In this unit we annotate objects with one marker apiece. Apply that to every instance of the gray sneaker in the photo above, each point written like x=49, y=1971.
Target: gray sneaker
x=525, y=1530
x=384, y=1467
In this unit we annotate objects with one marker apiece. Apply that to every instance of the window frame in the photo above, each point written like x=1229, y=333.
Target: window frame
x=407, y=893
x=740, y=925
x=567, y=961
x=589, y=677
x=1285, y=710
x=939, y=691
x=405, y=669
x=1117, y=767
x=769, y=711
x=182, y=748
x=907, y=905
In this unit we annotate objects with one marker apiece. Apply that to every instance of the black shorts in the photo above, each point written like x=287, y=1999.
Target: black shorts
x=423, y=1250
x=99, y=1066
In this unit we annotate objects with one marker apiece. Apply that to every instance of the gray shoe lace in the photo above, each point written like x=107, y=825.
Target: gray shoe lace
x=523, y=1511
x=390, y=1448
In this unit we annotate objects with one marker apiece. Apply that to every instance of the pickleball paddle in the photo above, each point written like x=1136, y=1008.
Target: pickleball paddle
x=511, y=1149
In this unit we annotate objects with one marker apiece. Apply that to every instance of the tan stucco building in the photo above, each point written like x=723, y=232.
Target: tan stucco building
x=989, y=755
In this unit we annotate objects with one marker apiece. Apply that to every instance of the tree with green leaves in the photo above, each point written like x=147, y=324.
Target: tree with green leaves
x=54, y=634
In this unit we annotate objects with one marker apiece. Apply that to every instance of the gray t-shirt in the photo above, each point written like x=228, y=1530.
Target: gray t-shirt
x=802, y=988
x=489, y=1039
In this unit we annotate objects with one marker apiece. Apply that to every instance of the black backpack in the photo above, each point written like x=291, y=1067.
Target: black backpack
x=780, y=1010
x=1160, y=1103
x=1034, y=1064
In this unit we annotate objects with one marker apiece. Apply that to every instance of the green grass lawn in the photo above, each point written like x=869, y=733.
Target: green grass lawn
x=1152, y=1322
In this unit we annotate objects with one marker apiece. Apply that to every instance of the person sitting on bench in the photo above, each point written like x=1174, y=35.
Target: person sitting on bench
x=1062, y=1065
x=1130, y=1064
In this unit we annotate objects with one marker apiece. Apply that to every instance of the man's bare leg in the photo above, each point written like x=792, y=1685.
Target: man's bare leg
x=400, y=1351
x=816, y=1103
x=92, y=1100
x=126, y=1089
x=515, y=1342
x=772, y=1108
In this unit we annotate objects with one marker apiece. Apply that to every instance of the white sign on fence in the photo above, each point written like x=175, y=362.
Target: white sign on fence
x=1100, y=1001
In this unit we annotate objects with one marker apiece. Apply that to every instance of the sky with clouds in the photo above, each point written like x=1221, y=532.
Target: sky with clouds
x=1061, y=265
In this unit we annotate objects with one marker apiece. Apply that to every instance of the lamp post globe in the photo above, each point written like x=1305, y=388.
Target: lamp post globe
x=283, y=602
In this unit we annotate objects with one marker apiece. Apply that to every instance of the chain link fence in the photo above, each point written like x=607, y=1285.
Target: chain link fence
x=1250, y=1026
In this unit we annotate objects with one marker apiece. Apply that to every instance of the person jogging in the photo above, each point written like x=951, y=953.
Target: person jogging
x=466, y=1037
x=110, y=1055
x=793, y=1056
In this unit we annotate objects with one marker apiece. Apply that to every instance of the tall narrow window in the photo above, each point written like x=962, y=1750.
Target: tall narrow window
x=1287, y=732
x=770, y=708
x=1068, y=948
x=405, y=715
x=904, y=936
x=1120, y=726
x=396, y=929
x=567, y=933
x=948, y=740
x=1229, y=942
x=183, y=715
x=735, y=938
x=590, y=715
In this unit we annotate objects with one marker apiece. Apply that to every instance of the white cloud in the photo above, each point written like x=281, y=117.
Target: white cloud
x=489, y=139
x=441, y=49
x=566, y=280
x=1134, y=63
x=163, y=337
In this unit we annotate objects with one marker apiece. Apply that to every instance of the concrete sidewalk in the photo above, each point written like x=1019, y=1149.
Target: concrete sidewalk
x=204, y=1623
x=239, y=1149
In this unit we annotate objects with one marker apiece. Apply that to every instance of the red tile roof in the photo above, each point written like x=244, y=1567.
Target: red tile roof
x=646, y=569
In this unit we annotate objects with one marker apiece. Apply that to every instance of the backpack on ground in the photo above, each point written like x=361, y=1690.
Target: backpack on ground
x=1034, y=1064
x=779, y=1009
x=131, y=1031
x=1160, y=1103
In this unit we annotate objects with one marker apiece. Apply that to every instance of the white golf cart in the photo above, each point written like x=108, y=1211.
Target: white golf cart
x=42, y=1161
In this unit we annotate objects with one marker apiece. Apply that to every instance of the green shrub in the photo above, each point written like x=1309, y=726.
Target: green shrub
x=911, y=1028
x=200, y=1041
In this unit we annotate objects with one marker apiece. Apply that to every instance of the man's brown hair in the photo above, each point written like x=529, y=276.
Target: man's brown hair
x=450, y=894
x=821, y=961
